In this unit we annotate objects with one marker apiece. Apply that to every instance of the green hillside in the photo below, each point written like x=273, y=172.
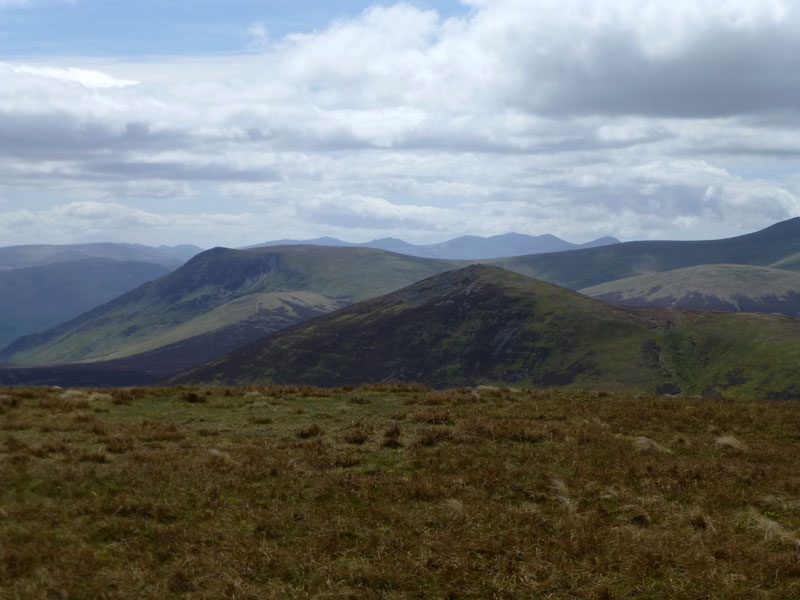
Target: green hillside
x=775, y=246
x=730, y=288
x=196, y=299
x=483, y=325
x=293, y=307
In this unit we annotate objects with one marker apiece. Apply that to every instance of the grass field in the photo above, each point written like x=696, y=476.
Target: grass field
x=395, y=492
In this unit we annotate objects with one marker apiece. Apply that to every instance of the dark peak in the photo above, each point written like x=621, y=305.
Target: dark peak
x=460, y=281
x=473, y=272
x=606, y=240
x=789, y=228
x=393, y=240
x=207, y=256
x=479, y=269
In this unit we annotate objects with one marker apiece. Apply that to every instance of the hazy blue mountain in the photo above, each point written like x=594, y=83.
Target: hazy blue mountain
x=322, y=241
x=17, y=257
x=33, y=299
x=777, y=246
x=468, y=247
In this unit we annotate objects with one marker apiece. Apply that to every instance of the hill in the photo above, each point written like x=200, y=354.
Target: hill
x=775, y=246
x=468, y=247
x=240, y=295
x=36, y=298
x=17, y=257
x=483, y=325
x=729, y=288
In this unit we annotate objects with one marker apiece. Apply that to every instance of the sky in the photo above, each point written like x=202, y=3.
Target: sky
x=233, y=122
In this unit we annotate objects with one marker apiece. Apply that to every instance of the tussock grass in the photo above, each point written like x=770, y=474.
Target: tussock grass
x=730, y=444
x=645, y=444
x=275, y=492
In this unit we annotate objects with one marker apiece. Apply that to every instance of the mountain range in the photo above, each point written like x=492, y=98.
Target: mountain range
x=223, y=300
x=37, y=298
x=239, y=295
x=484, y=325
x=468, y=247
x=17, y=257
x=728, y=288
x=777, y=246
x=44, y=285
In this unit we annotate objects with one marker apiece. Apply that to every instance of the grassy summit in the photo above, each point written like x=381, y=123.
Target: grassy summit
x=389, y=492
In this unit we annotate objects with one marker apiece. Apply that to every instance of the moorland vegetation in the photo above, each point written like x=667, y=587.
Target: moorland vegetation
x=395, y=491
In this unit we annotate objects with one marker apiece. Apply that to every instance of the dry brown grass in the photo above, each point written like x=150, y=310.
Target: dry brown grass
x=405, y=493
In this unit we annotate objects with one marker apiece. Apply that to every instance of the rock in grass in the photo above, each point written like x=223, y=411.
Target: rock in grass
x=730, y=444
x=645, y=444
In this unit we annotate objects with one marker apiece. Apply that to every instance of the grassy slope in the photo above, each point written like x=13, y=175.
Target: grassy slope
x=285, y=304
x=584, y=268
x=394, y=493
x=485, y=325
x=36, y=298
x=211, y=280
x=721, y=287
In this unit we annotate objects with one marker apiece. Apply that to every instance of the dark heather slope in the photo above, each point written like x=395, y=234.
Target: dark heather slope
x=729, y=288
x=173, y=308
x=37, y=298
x=485, y=325
x=774, y=246
x=150, y=367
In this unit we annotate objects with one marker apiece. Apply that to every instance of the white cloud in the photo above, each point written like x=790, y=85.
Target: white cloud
x=84, y=77
x=575, y=118
x=258, y=36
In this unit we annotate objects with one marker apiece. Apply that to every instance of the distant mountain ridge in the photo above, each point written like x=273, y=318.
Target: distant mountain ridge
x=777, y=246
x=728, y=288
x=33, y=299
x=17, y=257
x=468, y=247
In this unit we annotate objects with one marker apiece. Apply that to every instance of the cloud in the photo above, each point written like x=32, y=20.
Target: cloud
x=258, y=36
x=85, y=77
x=369, y=213
x=638, y=119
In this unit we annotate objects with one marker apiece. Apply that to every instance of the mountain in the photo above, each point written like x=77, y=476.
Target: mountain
x=36, y=298
x=729, y=288
x=238, y=295
x=322, y=241
x=469, y=247
x=777, y=246
x=17, y=257
x=484, y=325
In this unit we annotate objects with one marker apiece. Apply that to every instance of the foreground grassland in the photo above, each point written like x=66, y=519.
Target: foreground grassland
x=395, y=492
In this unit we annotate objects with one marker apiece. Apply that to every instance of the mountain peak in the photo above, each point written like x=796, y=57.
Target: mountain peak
x=790, y=228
